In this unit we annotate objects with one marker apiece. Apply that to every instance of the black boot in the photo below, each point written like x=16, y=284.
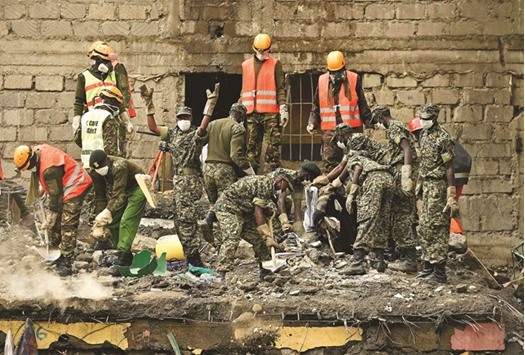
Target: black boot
x=379, y=261
x=439, y=274
x=195, y=260
x=124, y=258
x=427, y=271
x=63, y=266
x=407, y=262
x=357, y=267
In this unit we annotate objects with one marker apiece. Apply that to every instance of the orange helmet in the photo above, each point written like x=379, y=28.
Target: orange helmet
x=414, y=124
x=262, y=43
x=335, y=61
x=112, y=92
x=100, y=49
x=22, y=156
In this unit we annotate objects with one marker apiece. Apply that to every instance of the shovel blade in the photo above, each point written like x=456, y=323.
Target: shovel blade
x=51, y=255
x=144, y=183
x=273, y=265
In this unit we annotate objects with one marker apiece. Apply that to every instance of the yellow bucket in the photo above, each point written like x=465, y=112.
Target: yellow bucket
x=171, y=245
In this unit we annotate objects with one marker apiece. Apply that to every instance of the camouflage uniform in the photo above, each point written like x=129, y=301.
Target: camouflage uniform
x=235, y=212
x=373, y=203
x=330, y=152
x=405, y=214
x=187, y=184
x=118, y=191
x=267, y=125
x=437, y=148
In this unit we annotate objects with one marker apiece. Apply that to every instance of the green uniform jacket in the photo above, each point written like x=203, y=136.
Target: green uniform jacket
x=226, y=143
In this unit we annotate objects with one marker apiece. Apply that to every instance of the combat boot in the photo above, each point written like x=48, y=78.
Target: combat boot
x=124, y=258
x=439, y=274
x=357, y=266
x=427, y=270
x=63, y=266
x=407, y=263
x=195, y=260
x=379, y=261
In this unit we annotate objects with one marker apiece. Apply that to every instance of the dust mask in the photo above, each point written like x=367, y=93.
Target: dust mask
x=341, y=145
x=103, y=171
x=262, y=57
x=379, y=125
x=103, y=68
x=184, y=125
x=426, y=124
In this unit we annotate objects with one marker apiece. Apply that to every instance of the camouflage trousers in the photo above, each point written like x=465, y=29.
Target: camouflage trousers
x=434, y=224
x=330, y=152
x=233, y=229
x=374, y=211
x=217, y=177
x=404, y=217
x=187, y=191
x=64, y=233
x=263, y=126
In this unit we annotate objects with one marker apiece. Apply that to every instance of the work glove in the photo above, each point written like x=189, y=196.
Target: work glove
x=354, y=192
x=336, y=183
x=311, y=128
x=264, y=232
x=407, y=184
x=285, y=223
x=321, y=180
x=76, y=123
x=103, y=218
x=452, y=205
x=50, y=219
x=249, y=171
x=147, y=97
x=284, y=115
x=212, y=100
x=298, y=228
x=124, y=116
x=98, y=232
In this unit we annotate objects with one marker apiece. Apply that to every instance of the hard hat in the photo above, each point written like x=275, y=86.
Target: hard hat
x=112, y=92
x=262, y=43
x=183, y=111
x=428, y=111
x=93, y=46
x=102, y=50
x=239, y=108
x=171, y=245
x=414, y=124
x=22, y=156
x=335, y=61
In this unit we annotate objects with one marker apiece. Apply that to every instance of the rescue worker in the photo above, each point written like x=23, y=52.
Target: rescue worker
x=436, y=176
x=339, y=98
x=264, y=95
x=66, y=184
x=119, y=203
x=462, y=165
x=241, y=214
x=99, y=127
x=185, y=142
x=105, y=71
x=401, y=148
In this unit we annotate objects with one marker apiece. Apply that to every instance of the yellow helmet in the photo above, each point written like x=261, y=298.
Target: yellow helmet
x=171, y=245
x=93, y=46
x=112, y=92
x=22, y=156
x=262, y=43
x=335, y=61
x=102, y=50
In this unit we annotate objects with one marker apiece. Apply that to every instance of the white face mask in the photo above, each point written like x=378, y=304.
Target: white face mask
x=379, y=125
x=426, y=124
x=341, y=145
x=262, y=57
x=103, y=68
x=103, y=171
x=184, y=125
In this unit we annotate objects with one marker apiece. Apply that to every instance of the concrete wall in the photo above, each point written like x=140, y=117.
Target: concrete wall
x=466, y=56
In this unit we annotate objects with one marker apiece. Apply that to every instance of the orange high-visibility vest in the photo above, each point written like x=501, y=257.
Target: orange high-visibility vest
x=348, y=109
x=94, y=86
x=263, y=98
x=75, y=181
x=455, y=224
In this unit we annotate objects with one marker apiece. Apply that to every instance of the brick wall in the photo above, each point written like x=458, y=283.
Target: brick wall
x=466, y=56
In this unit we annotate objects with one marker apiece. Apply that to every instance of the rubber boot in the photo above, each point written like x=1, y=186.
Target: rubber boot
x=407, y=263
x=379, y=261
x=195, y=260
x=357, y=267
x=439, y=274
x=63, y=266
x=428, y=268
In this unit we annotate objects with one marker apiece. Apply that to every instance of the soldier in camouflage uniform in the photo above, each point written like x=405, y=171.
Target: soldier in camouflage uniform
x=241, y=213
x=436, y=174
x=185, y=142
x=119, y=202
x=401, y=150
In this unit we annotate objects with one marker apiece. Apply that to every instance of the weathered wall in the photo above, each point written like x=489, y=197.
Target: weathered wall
x=466, y=56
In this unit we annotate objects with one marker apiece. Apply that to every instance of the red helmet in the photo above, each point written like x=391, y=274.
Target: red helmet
x=414, y=124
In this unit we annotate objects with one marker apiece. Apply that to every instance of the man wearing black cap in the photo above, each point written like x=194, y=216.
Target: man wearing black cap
x=119, y=202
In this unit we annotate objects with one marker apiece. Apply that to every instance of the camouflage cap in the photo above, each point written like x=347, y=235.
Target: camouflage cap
x=239, y=108
x=286, y=174
x=342, y=129
x=183, y=111
x=428, y=111
x=380, y=111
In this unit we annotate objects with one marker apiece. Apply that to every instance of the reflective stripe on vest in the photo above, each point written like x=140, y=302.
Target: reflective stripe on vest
x=262, y=99
x=94, y=85
x=75, y=181
x=348, y=109
x=92, y=133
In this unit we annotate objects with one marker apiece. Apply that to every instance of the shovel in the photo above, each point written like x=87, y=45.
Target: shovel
x=275, y=264
x=144, y=182
x=49, y=254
